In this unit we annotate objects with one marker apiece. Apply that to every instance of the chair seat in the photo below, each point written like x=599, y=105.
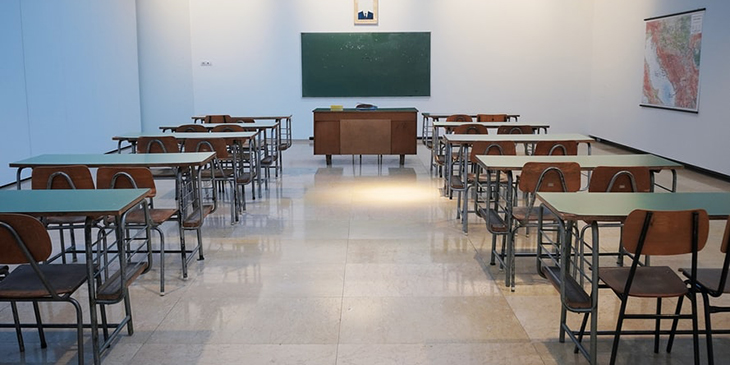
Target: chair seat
x=246, y=178
x=216, y=173
x=111, y=290
x=23, y=282
x=650, y=282
x=484, y=178
x=158, y=215
x=708, y=278
x=521, y=214
x=194, y=220
x=164, y=173
x=268, y=160
x=65, y=219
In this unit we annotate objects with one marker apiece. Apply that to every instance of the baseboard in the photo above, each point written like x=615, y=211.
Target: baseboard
x=701, y=170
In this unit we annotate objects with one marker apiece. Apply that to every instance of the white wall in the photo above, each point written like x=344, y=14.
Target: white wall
x=617, y=71
x=76, y=63
x=15, y=140
x=530, y=57
x=165, y=66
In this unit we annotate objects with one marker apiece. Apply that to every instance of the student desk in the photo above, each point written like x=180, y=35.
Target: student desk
x=383, y=131
x=451, y=140
x=508, y=164
x=607, y=207
x=430, y=118
x=190, y=205
x=92, y=204
x=447, y=126
x=254, y=139
x=285, y=128
x=272, y=144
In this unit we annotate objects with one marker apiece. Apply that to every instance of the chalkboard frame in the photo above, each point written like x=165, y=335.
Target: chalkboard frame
x=366, y=64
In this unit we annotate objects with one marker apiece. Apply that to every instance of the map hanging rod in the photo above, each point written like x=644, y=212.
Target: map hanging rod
x=675, y=14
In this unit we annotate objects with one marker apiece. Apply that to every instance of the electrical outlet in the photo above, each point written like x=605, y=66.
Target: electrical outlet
x=205, y=63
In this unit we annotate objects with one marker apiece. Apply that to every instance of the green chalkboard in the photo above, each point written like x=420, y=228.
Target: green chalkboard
x=366, y=64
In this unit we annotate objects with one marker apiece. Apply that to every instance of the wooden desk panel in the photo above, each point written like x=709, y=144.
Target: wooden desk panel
x=371, y=128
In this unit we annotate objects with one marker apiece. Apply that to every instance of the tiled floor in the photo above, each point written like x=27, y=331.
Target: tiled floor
x=357, y=263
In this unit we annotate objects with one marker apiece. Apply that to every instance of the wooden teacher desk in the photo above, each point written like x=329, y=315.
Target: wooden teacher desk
x=383, y=131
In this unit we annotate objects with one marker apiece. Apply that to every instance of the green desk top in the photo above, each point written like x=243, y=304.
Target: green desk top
x=186, y=135
x=517, y=138
x=126, y=159
x=586, y=162
x=616, y=206
x=320, y=110
x=79, y=202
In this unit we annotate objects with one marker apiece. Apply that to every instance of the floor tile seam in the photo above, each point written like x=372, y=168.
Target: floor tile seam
x=342, y=292
x=445, y=342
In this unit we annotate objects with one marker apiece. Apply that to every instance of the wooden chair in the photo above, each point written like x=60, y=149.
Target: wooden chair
x=63, y=177
x=241, y=120
x=658, y=233
x=535, y=177
x=141, y=177
x=491, y=117
x=464, y=118
x=461, y=161
x=711, y=282
x=553, y=148
x=191, y=128
x=247, y=157
x=217, y=118
x=221, y=172
x=477, y=179
x=160, y=144
x=25, y=242
x=439, y=158
x=228, y=128
x=516, y=129
x=612, y=179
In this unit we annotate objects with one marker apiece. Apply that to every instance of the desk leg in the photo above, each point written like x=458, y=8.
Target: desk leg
x=328, y=160
x=595, y=254
x=92, y=292
x=402, y=160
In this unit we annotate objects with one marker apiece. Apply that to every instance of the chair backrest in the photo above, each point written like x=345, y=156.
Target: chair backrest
x=241, y=120
x=726, y=237
x=228, y=128
x=470, y=129
x=550, y=177
x=614, y=179
x=556, y=148
x=491, y=117
x=61, y=177
x=217, y=118
x=17, y=230
x=191, y=128
x=505, y=148
x=161, y=144
x=665, y=232
x=216, y=145
x=126, y=178
x=515, y=129
x=459, y=118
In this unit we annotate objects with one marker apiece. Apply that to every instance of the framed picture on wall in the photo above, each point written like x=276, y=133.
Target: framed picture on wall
x=366, y=12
